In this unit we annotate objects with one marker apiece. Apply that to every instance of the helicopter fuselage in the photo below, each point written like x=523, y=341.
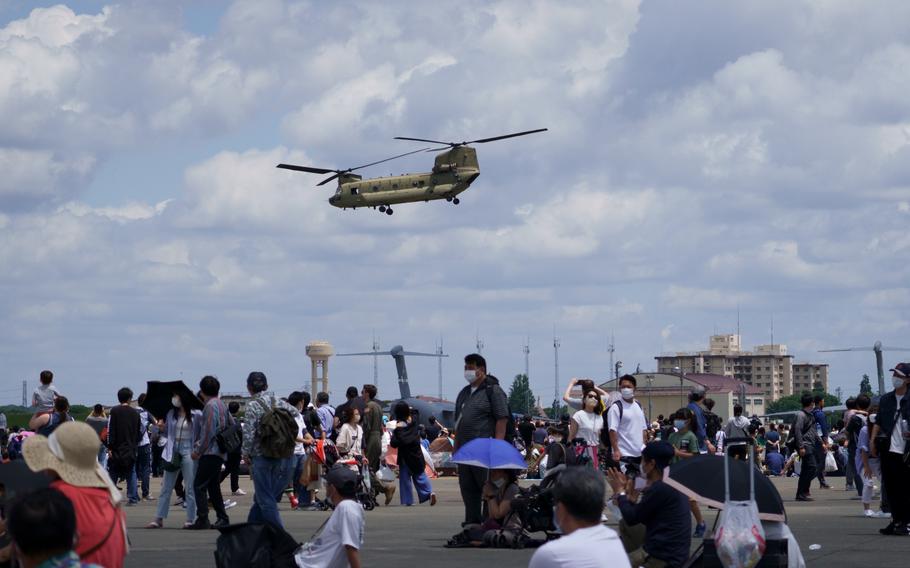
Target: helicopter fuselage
x=453, y=172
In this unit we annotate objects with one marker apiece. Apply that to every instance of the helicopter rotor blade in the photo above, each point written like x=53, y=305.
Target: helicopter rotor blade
x=503, y=137
x=306, y=169
x=328, y=179
x=385, y=160
x=424, y=140
x=846, y=349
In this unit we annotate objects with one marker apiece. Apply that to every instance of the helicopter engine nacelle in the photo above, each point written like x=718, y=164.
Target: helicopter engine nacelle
x=443, y=168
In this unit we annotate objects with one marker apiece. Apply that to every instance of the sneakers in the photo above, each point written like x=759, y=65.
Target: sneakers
x=700, y=529
x=804, y=498
x=294, y=502
x=895, y=529
x=869, y=514
x=432, y=499
x=240, y=492
x=201, y=524
x=228, y=503
x=221, y=523
x=880, y=515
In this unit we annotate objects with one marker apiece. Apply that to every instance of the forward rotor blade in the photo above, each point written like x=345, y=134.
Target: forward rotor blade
x=304, y=169
x=361, y=354
x=846, y=349
x=483, y=140
x=328, y=179
x=415, y=354
x=895, y=348
x=386, y=160
x=423, y=140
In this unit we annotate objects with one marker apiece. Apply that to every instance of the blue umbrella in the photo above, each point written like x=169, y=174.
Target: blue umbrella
x=490, y=453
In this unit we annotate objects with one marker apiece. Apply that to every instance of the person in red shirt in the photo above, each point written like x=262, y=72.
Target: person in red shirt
x=70, y=456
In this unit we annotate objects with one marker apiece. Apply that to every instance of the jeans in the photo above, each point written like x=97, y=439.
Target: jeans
x=807, y=473
x=208, y=480
x=270, y=477
x=144, y=468
x=421, y=481
x=188, y=468
x=303, y=496
x=102, y=456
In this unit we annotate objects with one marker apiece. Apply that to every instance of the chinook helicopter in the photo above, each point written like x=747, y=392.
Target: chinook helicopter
x=454, y=170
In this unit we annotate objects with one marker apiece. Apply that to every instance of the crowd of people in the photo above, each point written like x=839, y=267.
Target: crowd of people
x=323, y=457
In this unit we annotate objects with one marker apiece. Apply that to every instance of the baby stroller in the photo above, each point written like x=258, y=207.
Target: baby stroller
x=533, y=508
x=364, y=494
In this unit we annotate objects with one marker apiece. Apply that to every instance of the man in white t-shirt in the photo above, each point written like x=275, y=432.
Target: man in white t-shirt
x=626, y=421
x=586, y=542
x=338, y=543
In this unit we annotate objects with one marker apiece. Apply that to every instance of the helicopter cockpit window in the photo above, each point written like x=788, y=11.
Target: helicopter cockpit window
x=375, y=188
x=420, y=183
x=353, y=191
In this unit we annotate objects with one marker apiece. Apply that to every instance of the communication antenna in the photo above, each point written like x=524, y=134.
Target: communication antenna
x=737, y=322
x=440, y=353
x=479, y=343
x=556, y=344
x=526, y=348
x=611, y=348
x=24, y=390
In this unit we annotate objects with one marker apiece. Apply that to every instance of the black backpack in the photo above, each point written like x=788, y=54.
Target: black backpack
x=713, y=425
x=790, y=444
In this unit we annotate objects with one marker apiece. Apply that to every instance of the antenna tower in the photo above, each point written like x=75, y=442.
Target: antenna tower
x=556, y=345
x=611, y=349
x=375, y=360
x=440, y=352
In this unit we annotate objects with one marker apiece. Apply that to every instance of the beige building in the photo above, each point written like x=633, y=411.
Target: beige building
x=665, y=393
x=767, y=367
x=808, y=376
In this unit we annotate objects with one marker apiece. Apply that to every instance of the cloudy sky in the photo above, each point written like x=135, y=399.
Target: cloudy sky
x=701, y=156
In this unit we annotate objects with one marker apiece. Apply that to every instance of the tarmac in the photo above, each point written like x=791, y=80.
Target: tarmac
x=414, y=536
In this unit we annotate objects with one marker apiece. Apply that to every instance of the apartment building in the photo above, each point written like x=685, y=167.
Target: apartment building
x=808, y=376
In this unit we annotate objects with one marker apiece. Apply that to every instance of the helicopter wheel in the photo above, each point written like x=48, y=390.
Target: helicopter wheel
x=456, y=201
x=449, y=199
x=389, y=211
x=382, y=208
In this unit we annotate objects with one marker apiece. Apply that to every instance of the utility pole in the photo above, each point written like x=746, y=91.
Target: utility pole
x=611, y=348
x=375, y=360
x=556, y=344
x=527, y=351
x=479, y=343
x=439, y=352
x=24, y=390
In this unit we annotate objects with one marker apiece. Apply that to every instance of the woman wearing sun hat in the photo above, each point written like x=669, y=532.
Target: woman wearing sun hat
x=70, y=456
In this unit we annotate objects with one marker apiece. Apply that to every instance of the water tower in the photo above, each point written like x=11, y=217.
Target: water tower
x=319, y=353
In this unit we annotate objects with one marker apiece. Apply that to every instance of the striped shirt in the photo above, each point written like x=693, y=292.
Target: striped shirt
x=215, y=418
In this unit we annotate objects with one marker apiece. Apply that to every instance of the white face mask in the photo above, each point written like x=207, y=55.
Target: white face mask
x=627, y=393
x=872, y=418
x=557, y=439
x=897, y=382
x=176, y=401
x=680, y=424
x=498, y=483
x=470, y=376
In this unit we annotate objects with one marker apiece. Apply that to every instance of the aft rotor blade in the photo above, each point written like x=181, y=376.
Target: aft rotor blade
x=328, y=179
x=386, y=160
x=846, y=349
x=895, y=348
x=525, y=133
x=371, y=353
x=415, y=354
x=424, y=140
x=307, y=169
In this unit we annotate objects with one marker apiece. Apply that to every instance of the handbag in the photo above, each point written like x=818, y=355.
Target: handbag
x=740, y=539
x=174, y=464
x=830, y=462
x=230, y=438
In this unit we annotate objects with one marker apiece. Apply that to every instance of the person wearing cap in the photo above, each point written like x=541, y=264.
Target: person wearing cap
x=70, y=455
x=891, y=436
x=339, y=541
x=662, y=510
x=585, y=541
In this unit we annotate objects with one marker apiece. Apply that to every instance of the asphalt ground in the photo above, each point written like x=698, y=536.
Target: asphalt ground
x=414, y=536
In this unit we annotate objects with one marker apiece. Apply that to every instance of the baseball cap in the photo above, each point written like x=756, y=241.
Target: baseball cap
x=343, y=479
x=902, y=370
x=660, y=452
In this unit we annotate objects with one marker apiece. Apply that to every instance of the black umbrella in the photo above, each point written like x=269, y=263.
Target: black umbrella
x=702, y=478
x=16, y=477
x=158, y=396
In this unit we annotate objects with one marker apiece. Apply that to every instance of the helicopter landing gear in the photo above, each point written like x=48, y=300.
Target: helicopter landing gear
x=456, y=201
x=449, y=199
x=389, y=211
x=382, y=208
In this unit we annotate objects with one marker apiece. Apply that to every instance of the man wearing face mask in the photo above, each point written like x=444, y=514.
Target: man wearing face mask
x=628, y=428
x=123, y=436
x=585, y=541
x=662, y=510
x=481, y=411
x=891, y=444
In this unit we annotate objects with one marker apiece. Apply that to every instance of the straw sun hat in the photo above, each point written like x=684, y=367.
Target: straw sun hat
x=71, y=452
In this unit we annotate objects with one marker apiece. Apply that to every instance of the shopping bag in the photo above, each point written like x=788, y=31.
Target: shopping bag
x=429, y=466
x=740, y=540
x=255, y=546
x=385, y=474
x=830, y=462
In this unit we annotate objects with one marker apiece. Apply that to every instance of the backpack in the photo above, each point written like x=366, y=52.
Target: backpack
x=605, y=431
x=276, y=432
x=856, y=423
x=510, y=420
x=713, y=424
